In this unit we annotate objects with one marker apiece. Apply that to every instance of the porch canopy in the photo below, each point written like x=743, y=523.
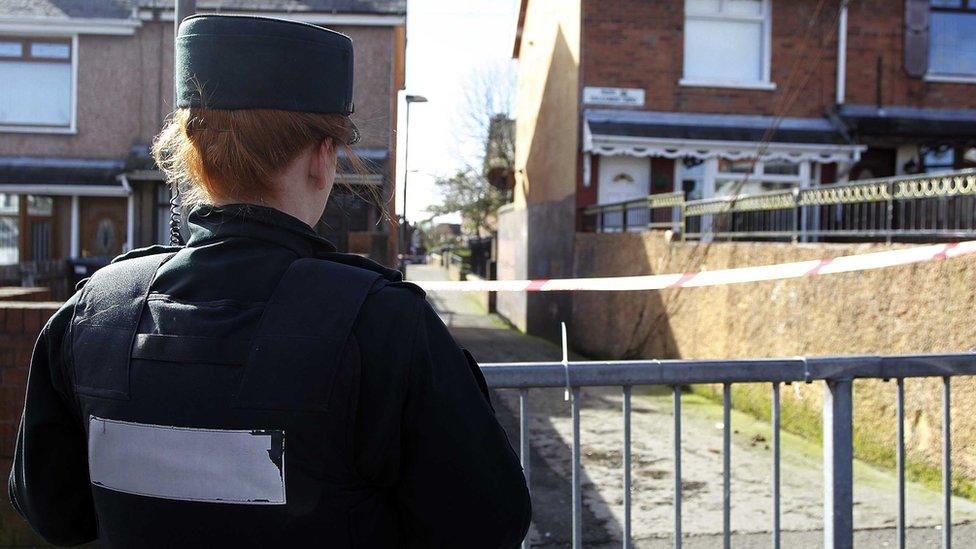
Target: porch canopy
x=61, y=176
x=375, y=161
x=704, y=136
x=67, y=177
x=910, y=124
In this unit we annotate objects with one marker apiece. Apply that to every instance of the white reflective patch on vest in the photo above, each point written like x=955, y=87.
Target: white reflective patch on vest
x=206, y=465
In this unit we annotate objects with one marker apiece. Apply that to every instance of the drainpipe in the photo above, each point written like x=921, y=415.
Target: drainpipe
x=841, y=52
x=130, y=213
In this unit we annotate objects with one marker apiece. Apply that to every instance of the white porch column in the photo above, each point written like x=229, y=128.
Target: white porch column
x=708, y=191
x=587, y=169
x=130, y=230
x=130, y=212
x=806, y=174
x=844, y=172
x=816, y=181
x=75, y=227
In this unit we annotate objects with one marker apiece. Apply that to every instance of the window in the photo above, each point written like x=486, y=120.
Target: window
x=952, y=50
x=691, y=174
x=9, y=229
x=781, y=167
x=106, y=242
x=727, y=43
x=38, y=228
x=40, y=210
x=771, y=175
x=37, y=83
x=40, y=205
x=938, y=159
x=734, y=166
x=969, y=157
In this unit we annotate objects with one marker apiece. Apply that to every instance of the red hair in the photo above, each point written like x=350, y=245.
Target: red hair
x=234, y=155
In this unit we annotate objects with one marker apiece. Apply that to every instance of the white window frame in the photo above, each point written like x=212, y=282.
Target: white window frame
x=72, y=127
x=766, y=18
x=801, y=180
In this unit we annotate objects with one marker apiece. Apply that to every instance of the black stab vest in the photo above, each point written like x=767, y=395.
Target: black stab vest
x=289, y=366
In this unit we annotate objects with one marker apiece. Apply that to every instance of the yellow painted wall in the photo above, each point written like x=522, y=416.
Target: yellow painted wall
x=546, y=139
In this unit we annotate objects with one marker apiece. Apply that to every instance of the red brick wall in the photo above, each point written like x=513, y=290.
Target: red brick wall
x=20, y=323
x=875, y=30
x=639, y=44
x=586, y=196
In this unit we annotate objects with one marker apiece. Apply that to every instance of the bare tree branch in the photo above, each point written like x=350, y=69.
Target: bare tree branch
x=485, y=132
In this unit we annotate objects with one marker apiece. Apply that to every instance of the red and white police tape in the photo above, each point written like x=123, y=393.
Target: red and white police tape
x=798, y=269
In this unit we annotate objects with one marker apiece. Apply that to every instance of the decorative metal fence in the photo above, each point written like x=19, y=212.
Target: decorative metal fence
x=835, y=373
x=909, y=208
x=657, y=211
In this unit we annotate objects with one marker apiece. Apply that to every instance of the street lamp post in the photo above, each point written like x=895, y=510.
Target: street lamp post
x=404, y=237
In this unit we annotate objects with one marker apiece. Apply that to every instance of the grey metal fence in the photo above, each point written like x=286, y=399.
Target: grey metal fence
x=917, y=207
x=837, y=375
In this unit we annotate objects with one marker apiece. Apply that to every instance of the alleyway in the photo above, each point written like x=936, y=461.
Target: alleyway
x=491, y=340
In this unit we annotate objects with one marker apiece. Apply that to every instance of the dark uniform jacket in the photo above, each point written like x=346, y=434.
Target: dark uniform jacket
x=191, y=415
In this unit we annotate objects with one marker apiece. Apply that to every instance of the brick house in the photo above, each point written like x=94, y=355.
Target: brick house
x=619, y=100
x=88, y=84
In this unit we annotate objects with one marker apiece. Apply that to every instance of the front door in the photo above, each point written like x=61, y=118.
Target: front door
x=623, y=178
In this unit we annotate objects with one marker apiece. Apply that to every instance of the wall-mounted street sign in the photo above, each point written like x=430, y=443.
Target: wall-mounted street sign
x=618, y=97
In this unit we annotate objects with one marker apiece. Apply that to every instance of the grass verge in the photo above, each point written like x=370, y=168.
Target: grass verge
x=807, y=423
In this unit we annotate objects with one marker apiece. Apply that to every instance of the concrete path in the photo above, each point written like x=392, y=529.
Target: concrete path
x=491, y=340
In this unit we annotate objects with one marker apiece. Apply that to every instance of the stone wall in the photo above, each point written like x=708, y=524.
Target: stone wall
x=919, y=308
x=17, y=293
x=20, y=323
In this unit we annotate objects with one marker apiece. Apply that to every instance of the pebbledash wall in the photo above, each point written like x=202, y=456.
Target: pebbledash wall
x=921, y=308
x=20, y=323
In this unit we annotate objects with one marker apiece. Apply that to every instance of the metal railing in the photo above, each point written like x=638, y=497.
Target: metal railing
x=657, y=211
x=837, y=375
x=917, y=207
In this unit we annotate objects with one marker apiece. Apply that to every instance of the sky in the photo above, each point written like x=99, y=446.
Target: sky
x=446, y=41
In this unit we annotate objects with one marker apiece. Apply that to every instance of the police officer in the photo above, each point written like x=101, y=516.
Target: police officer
x=256, y=388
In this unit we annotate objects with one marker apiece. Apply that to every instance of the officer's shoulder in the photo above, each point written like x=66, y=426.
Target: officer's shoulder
x=148, y=250
x=132, y=254
x=390, y=301
x=390, y=281
x=389, y=314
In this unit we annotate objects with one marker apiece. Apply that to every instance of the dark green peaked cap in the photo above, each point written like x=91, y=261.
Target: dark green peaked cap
x=245, y=62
